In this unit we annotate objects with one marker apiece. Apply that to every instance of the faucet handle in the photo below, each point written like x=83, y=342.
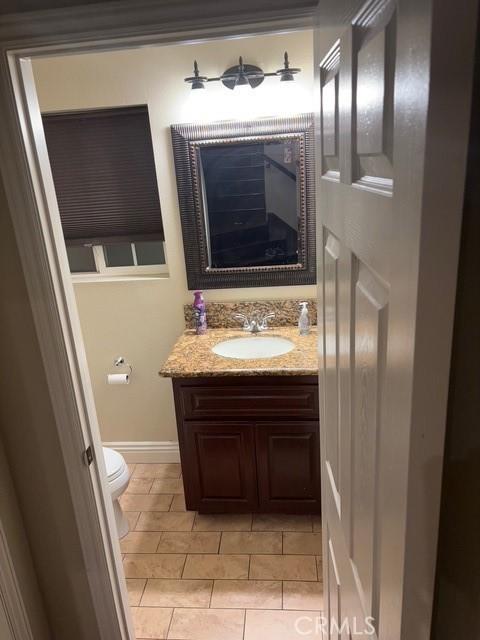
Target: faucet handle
x=265, y=319
x=243, y=318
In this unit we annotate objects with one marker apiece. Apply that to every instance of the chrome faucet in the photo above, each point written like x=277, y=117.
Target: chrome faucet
x=256, y=323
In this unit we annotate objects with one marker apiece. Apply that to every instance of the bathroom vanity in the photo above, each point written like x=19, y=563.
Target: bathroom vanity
x=248, y=429
x=249, y=443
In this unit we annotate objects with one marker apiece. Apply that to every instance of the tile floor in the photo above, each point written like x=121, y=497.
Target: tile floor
x=217, y=577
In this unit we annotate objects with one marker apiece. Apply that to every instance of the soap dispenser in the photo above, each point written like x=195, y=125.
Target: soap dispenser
x=304, y=320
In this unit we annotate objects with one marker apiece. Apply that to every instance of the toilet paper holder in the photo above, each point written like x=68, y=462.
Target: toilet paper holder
x=120, y=362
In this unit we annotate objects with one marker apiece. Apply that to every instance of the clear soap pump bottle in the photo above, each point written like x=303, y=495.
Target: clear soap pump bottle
x=304, y=320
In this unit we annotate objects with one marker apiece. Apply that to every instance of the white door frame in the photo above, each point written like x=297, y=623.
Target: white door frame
x=32, y=202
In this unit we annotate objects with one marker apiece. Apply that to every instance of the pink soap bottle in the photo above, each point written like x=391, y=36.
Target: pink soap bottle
x=200, y=313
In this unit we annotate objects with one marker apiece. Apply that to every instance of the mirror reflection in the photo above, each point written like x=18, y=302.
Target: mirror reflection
x=251, y=203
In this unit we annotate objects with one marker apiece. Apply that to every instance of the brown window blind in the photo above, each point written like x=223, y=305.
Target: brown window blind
x=104, y=174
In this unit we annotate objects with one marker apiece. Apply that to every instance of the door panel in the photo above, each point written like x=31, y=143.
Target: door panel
x=369, y=353
x=381, y=246
x=338, y=307
x=355, y=316
x=329, y=88
x=332, y=255
x=373, y=70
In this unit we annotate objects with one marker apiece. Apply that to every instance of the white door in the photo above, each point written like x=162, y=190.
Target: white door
x=389, y=212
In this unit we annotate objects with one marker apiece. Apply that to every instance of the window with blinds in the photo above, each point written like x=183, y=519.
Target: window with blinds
x=104, y=175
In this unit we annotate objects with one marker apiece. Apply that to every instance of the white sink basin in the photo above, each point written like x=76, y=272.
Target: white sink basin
x=253, y=347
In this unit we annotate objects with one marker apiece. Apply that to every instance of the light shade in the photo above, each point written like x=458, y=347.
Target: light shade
x=198, y=84
x=197, y=81
x=287, y=74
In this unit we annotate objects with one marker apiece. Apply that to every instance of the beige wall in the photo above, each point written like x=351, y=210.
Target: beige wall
x=141, y=319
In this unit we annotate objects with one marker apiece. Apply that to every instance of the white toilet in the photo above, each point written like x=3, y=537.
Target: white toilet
x=118, y=477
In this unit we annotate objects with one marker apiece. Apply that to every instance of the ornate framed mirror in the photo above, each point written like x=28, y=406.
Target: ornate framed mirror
x=247, y=205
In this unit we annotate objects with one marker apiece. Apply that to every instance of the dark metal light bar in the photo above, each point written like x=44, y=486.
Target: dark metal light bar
x=243, y=74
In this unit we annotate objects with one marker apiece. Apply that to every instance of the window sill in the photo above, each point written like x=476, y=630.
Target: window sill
x=100, y=277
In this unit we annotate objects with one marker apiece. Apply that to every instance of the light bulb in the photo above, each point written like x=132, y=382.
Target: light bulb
x=195, y=105
x=242, y=85
x=289, y=97
x=242, y=89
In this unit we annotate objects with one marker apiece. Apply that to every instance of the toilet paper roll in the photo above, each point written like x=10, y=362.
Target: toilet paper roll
x=118, y=378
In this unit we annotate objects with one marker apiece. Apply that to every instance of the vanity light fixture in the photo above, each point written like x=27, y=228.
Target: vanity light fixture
x=243, y=75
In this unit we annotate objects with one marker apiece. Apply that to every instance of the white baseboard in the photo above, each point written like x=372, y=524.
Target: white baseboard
x=166, y=451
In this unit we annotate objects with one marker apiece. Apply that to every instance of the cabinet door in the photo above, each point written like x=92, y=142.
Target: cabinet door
x=288, y=466
x=221, y=466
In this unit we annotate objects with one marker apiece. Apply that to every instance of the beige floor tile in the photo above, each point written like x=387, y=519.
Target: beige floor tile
x=170, y=470
x=132, y=518
x=223, y=522
x=247, y=594
x=178, y=503
x=140, y=542
x=189, y=542
x=282, y=625
x=131, y=466
x=177, y=593
x=207, y=624
x=139, y=485
x=151, y=623
x=167, y=485
x=303, y=595
x=283, y=568
x=207, y=566
x=302, y=543
x=149, y=502
x=317, y=524
x=281, y=522
x=135, y=587
x=153, y=565
x=157, y=521
x=251, y=542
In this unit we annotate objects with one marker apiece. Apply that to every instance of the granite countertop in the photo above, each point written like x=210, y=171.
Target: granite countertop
x=192, y=356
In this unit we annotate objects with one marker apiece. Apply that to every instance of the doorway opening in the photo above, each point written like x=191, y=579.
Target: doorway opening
x=232, y=573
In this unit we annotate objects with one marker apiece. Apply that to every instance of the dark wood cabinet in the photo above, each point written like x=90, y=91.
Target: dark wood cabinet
x=249, y=443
